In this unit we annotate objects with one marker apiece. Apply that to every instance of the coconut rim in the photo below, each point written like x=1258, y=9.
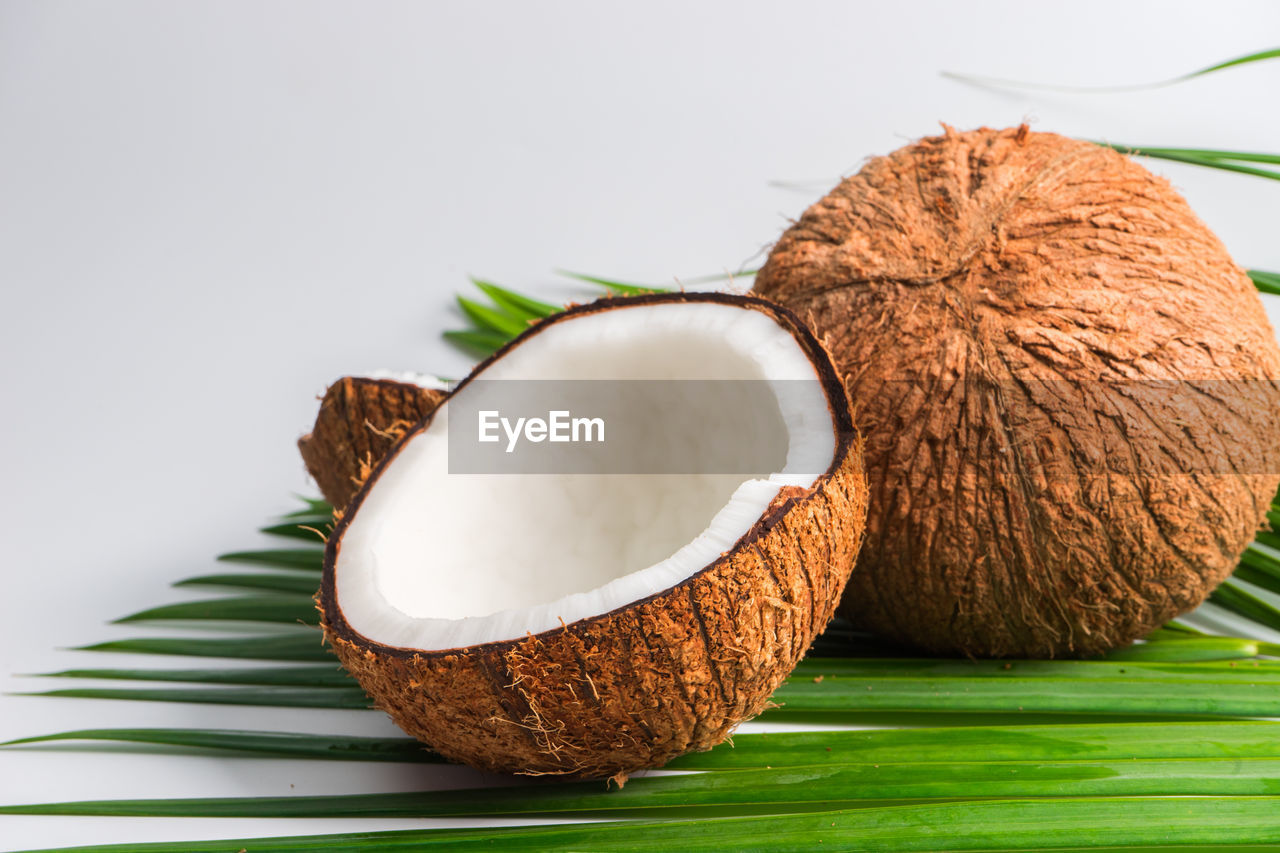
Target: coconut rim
x=838, y=405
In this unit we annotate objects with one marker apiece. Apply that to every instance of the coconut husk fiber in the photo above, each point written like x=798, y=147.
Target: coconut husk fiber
x=633, y=688
x=1066, y=386
x=358, y=422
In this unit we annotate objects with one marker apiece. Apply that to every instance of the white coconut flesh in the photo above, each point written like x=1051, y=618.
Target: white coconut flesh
x=432, y=560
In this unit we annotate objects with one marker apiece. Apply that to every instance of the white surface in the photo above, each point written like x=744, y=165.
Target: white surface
x=209, y=210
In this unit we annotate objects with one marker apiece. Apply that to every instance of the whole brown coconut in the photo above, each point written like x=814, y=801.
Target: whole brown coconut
x=1065, y=384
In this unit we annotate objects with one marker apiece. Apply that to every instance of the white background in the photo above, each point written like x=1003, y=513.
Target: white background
x=209, y=211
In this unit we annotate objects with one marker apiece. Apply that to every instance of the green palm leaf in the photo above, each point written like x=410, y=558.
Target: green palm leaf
x=516, y=304
x=271, y=744
x=491, y=319
x=1201, y=157
x=1188, y=650
x=271, y=581
x=1267, y=282
x=615, y=287
x=293, y=646
x=1234, y=598
x=310, y=529
x=278, y=697
x=849, y=690
x=834, y=786
x=1081, y=742
x=313, y=507
x=330, y=675
x=311, y=559
x=1146, y=823
x=289, y=609
x=482, y=341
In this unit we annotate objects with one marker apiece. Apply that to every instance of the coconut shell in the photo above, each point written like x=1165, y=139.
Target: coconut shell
x=359, y=420
x=638, y=686
x=1004, y=306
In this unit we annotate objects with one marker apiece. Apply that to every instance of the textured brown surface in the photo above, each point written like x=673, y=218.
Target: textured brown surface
x=359, y=420
x=636, y=687
x=988, y=297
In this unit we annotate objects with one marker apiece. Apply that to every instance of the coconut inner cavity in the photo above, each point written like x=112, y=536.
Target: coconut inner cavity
x=433, y=560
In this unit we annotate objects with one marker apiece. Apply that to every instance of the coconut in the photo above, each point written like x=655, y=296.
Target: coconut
x=360, y=418
x=1066, y=386
x=591, y=624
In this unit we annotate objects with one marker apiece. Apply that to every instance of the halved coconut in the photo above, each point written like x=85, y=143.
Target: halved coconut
x=591, y=624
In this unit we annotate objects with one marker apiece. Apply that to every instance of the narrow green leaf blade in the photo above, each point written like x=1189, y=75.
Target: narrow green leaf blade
x=619, y=287
x=924, y=746
x=1091, y=742
x=483, y=342
x=1234, y=598
x=623, y=287
x=276, y=608
x=1188, y=650
x=280, y=697
x=1266, y=282
x=1086, y=672
x=733, y=793
x=1174, y=630
x=308, y=531
x=330, y=675
x=516, y=304
x=1147, y=823
x=1208, y=162
x=311, y=559
x=489, y=319
x=849, y=688
x=1213, y=154
x=314, y=506
x=284, y=647
x=295, y=583
x=259, y=744
x=1263, y=576
x=1257, y=56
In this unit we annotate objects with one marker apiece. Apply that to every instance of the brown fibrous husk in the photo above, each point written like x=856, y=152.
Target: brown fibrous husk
x=358, y=422
x=1002, y=305
x=633, y=688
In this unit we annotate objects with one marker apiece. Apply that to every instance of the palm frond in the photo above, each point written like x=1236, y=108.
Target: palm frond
x=1267, y=282
x=309, y=559
x=273, y=607
x=328, y=747
x=293, y=646
x=1226, y=160
x=516, y=304
x=923, y=746
x=1159, y=745
x=1116, y=823
x=279, y=697
x=271, y=581
x=330, y=675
